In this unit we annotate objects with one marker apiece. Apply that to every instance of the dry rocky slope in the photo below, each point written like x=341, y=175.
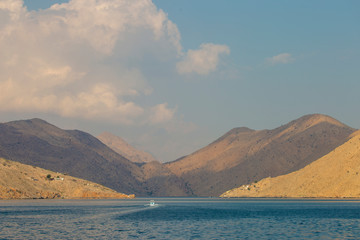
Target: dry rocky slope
x=335, y=175
x=120, y=146
x=38, y=143
x=243, y=155
x=21, y=181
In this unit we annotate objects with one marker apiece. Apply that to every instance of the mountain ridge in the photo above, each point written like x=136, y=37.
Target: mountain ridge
x=335, y=175
x=240, y=157
x=38, y=143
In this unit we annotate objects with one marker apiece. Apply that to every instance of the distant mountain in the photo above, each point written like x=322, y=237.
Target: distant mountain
x=243, y=155
x=120, y=146
x=21, y=181
x=335, y=175
x=38, y=143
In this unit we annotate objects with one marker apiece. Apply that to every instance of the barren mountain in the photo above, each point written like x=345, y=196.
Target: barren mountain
x=243, y=155
x=24, y=181
x=335, y=175
x=38, y=143
x=239, y=157
x=120, y=146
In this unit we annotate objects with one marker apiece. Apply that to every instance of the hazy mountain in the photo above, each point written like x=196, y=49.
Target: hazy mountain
x=120, y=146
x=335, y=175
x=243, y=155
x=19, y=180
x=38, y=143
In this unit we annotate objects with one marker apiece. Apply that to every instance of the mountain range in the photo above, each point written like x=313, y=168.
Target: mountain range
x=36, y=142
x=239, y=157
x=243, y=155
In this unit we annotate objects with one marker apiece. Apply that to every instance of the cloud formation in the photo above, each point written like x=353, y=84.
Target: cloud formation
x=202, y=61
x=86, y=59
x=282, y=58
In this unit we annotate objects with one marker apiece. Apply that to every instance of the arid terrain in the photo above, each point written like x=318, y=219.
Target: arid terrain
x=239, y=157
x=335, y=175
x=36, y=142
x=21, y=181
x=243, y=155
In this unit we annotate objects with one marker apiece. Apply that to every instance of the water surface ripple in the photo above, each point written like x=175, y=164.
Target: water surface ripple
x=180, y=218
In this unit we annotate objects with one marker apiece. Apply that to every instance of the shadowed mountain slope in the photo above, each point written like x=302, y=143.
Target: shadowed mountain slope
x=243, y=155
x=335, y=175
x=160, y=181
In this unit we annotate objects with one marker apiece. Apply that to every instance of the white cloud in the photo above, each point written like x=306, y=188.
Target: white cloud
x=202, y=61
x=103, y=23
x=86, y=59
x=80, y=59
x=161, y=114
x=14, y=8
x=282, y=58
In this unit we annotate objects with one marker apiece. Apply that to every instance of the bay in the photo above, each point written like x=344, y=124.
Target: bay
x=180, y=218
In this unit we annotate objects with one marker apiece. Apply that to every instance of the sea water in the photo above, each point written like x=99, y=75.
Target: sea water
x=180, y=218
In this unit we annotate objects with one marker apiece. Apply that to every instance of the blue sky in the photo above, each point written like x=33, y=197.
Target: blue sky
x=210, y=67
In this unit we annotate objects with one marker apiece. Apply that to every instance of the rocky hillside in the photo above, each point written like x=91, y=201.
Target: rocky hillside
x=239, y=157
x=38, y=143
x=120, y=146
x=20, y=181
x=243, y=155
x=336, y=175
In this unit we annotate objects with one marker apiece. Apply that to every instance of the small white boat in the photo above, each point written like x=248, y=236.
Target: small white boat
x=152, y=203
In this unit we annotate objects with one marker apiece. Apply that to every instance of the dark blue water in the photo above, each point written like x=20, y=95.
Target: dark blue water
x=184, y=218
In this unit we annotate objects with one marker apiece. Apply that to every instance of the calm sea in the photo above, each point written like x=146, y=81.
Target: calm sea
x=180, y=218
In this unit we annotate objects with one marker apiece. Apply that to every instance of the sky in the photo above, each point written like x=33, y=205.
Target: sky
x=171, y=76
